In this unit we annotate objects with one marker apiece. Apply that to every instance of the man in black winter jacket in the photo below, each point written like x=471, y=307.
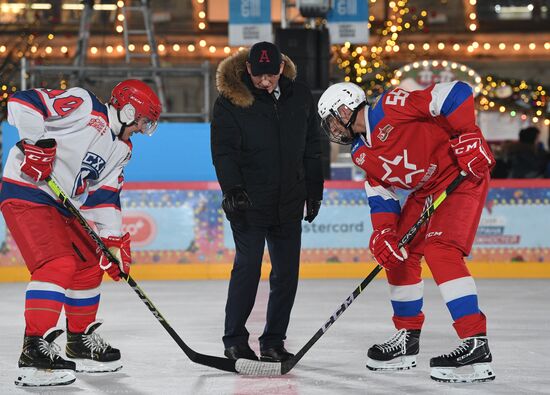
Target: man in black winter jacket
x=266, y=150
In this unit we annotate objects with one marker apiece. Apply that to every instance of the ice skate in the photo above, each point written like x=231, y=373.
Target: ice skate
x=40, y=364
x=91, y=353
x=397, y=353
x=468, y=363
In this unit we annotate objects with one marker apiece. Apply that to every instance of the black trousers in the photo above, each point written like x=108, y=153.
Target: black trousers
x=283, y=242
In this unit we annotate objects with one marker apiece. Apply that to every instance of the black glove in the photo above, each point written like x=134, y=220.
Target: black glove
x=312, y=209
x=235, y=202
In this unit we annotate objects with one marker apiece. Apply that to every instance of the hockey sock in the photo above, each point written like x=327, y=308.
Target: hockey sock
x=46, y=294
x=81, y=308
x=82, y=299
x=406, y=294
x=457, y=288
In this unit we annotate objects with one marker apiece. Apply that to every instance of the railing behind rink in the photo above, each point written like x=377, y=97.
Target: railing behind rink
x=30, y=72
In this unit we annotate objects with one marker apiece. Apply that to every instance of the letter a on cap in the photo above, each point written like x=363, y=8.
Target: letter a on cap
x=264, y=57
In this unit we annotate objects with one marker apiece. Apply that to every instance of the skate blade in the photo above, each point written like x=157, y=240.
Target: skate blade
x=400, y=363
x=90, y=366
x=477, y=373
x=32, y=377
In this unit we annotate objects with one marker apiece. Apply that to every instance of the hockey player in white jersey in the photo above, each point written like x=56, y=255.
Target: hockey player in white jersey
x=85, y=144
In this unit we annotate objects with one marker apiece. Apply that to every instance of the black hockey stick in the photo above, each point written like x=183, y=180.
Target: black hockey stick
x=208, y=360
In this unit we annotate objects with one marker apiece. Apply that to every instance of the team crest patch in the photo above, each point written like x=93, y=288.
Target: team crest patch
x=384, y=132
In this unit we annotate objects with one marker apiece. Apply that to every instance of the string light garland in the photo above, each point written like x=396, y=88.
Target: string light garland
x=367, y=65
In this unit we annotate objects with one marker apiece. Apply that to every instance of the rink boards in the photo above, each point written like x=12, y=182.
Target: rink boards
x=179, y=232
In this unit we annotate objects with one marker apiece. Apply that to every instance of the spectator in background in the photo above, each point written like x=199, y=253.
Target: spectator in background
x=266, y=149
x=525, y=158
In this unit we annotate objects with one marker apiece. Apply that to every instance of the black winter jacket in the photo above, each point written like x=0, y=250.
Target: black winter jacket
x=269, y=147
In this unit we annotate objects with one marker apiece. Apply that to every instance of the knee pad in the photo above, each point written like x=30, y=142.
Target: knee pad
x=59, y=271
x=446, y=262
x=87, y=277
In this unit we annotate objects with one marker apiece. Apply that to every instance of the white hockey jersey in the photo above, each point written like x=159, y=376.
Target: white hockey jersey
x=89, y=160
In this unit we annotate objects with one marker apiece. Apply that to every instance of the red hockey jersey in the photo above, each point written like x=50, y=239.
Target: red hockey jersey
x=407, y=144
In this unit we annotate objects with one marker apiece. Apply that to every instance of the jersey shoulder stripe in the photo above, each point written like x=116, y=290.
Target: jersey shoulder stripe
x=376, y=111
x=98, y=108
x=32, y=99
x=448, y=96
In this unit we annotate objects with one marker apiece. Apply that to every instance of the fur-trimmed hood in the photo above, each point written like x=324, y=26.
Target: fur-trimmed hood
x=229, y=78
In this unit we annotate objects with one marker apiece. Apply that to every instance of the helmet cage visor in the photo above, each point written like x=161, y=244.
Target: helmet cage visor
x=148, y=126
x=336, y=129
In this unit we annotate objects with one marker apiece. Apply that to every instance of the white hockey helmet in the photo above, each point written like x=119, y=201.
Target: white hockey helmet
x=342, y=94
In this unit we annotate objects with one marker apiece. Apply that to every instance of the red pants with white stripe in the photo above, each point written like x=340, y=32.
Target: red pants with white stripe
x=443, y=242
x=63, y=263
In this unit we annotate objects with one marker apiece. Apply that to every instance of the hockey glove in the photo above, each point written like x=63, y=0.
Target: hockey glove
x=473, y=154
x=235, y=202
x=312, y=209
x=39, y=158
x=120, y=248
x=384, y=246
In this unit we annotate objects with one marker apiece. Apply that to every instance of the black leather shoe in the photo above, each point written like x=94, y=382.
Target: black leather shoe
x=240, y=351
x=275, y=354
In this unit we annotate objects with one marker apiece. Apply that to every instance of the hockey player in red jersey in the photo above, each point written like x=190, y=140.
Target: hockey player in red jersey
x=419, y=141
x=84, y=144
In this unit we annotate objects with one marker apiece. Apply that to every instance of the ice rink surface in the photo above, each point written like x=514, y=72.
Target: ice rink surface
x=518, y=314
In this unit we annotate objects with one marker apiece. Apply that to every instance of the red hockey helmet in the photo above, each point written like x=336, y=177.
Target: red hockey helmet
x=135, y=100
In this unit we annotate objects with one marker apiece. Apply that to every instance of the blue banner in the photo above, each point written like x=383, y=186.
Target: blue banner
x=348, y=22
x=249, y=22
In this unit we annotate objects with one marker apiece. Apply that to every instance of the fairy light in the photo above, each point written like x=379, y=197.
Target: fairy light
x=176, y=47
x=131, y=47
x=93, y=50
x=191, y=48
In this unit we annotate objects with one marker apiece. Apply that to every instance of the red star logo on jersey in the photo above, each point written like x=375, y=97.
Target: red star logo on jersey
x=400, y=170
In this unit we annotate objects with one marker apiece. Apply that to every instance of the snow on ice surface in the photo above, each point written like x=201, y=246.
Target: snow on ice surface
x=518, y=314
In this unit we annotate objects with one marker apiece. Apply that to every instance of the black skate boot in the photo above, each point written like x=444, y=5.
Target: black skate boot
x=397, y=353
x=91, y=353
x=40, y=364
x=468, y=363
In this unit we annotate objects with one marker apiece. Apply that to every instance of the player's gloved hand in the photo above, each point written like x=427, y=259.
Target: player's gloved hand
x=39, y=158
x=384, y=246
x=120, y=248
x=473, y=154
x=312, y=209
x=235, y=202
